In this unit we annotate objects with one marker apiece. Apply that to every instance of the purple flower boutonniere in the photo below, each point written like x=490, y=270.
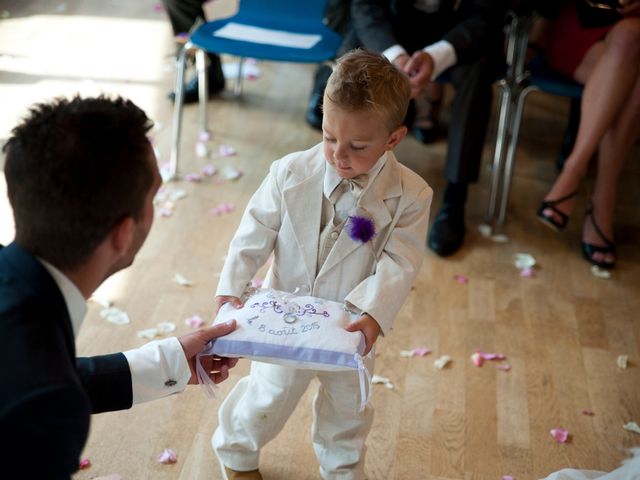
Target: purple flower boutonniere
x=361, y=229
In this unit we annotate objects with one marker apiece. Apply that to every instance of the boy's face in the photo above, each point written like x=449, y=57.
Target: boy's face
x=354, y=140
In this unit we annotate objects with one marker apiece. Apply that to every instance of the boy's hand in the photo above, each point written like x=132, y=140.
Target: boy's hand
x=369, y=328
x=222, y=299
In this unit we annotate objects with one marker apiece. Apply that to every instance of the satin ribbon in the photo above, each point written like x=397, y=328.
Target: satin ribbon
x=365, y=381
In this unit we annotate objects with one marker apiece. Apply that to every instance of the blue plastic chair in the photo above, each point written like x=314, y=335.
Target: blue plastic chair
x=520, y=82
x=286, y=16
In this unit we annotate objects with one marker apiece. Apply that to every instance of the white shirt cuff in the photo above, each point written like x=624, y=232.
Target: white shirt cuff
x=444, y=56
x=158, y=369
x=394, y=52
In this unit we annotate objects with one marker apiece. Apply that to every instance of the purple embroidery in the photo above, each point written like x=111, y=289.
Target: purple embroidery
x=293, y=309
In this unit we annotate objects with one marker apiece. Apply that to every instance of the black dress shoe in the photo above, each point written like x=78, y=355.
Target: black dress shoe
x=215, y=84
x=447, y=232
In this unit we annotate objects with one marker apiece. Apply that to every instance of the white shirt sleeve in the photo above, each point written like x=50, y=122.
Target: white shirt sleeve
x=394, y=52
x=444, y=56
x=158, y=369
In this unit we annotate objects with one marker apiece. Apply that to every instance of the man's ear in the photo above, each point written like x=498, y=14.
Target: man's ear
x=121, y=235
x=396, y=137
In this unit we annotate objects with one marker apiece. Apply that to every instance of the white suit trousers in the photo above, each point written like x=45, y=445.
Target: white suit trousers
x=260, y=404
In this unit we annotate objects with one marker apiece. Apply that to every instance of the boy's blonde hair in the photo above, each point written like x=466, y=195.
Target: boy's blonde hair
x=364, y=80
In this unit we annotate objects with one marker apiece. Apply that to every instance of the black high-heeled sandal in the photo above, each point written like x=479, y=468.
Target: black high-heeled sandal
x=549, y=220
x=588, y=249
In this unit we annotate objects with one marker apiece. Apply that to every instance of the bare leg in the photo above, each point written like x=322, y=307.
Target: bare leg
x=609, y=71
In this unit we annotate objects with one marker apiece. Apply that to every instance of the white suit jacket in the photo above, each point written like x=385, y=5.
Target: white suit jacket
x=284, y=216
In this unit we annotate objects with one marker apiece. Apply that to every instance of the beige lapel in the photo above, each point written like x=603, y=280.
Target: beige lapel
x=385, y=186
x=303, y=202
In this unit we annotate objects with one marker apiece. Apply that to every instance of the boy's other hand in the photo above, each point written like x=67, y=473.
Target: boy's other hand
x=369, y=328
x=222, y=299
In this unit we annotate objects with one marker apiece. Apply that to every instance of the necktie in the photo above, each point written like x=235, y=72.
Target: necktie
x=354, y=185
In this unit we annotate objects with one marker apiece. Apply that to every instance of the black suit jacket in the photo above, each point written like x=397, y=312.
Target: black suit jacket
x=46, y=394
x=472, y=27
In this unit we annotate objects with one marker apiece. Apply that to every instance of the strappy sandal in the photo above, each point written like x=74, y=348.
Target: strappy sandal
x=550, y=220
x=588, y=249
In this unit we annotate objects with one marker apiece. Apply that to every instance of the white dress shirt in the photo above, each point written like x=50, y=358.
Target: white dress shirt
x=151, y=365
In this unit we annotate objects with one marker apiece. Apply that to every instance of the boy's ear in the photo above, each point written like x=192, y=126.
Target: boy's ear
x=121, y=235
x=396, y=137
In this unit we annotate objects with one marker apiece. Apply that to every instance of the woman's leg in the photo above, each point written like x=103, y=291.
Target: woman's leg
x=609, y=72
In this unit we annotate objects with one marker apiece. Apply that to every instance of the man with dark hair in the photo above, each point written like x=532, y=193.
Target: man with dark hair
x=81, y=177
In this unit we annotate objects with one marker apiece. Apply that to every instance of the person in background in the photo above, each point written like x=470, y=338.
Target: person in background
x=81, y=176
x=599, y=48
x=463, y=40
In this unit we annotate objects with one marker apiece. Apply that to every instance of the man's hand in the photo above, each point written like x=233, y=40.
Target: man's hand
x=629, y=8
x=193, y=343
x=222, y=299
x=419, y=69
x=369, y=328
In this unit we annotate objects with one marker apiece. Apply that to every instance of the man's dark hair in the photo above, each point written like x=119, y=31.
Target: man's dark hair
x=74, y=169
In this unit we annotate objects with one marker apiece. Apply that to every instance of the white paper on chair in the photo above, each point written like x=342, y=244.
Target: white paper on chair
x=247, y=33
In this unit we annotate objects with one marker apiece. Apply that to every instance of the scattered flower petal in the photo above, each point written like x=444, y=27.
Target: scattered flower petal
x=379, y=379
x=193, y=177
x=492, y=356
x=148, y=333
x=167, y=456
x=227, y=150
x=598, y=272
x=257, y=282
x=115, y=315
x=560, y=435
x=632, y=427
x=588, y=412
x=166, y=327
x=406, y=353
x=180, y=280
x=485, y=230
x=477, y=359
x=461, y=279
x=194, y=321
x=508, y=477
x=205, y=136
x=500, y=238
x=231, y=173
x=442, y=362
x=84, y=463
x=209, y=170
x=421, y=351
x=528, y=272
x=177, y=195
x=523, y=260
x=622, y=361
x=505, y=367
x=221, y=208
x=166, y=209
x=201, y=150
x=101, y=300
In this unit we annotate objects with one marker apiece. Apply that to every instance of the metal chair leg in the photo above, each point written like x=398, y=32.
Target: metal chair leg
x=511, y=153
x=177, y=112
x=498, y=154
x=237, y=88
x=203, y=87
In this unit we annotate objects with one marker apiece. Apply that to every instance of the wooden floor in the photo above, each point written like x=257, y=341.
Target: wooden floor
x=561, y=331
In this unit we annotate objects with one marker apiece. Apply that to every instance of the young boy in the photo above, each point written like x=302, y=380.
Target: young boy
x=299, y=213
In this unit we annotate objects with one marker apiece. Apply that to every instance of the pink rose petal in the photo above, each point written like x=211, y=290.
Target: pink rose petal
x=461, y=279
x=205, y=136
x=588, y=412
x=209, y=170
x=492, y=356
x=167, y=456
x=421, y=351
x=528, y=272
x=508, y=477
x=84, y=463
x=477, y=359
x=193, y=177
x=221, y=208
x=257, y=282
x=227, y=150
x=560, y=435
x=194, y=321
x=505, y=367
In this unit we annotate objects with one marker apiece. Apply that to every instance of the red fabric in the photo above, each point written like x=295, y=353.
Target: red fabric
x=569, y=41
